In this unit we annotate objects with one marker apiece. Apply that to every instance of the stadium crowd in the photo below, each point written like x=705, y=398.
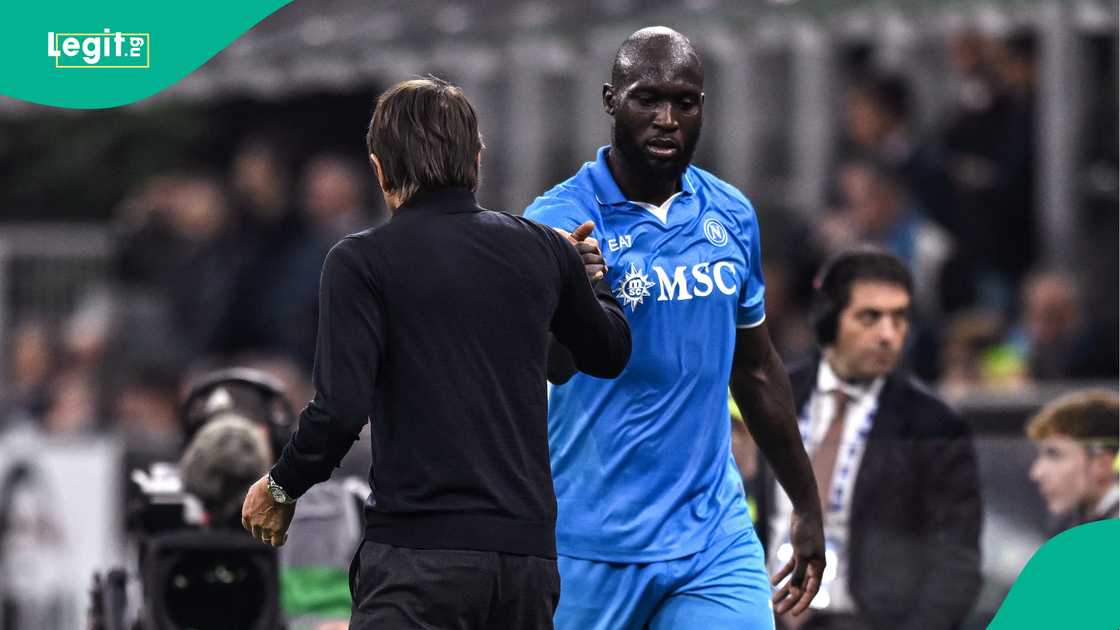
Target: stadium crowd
x=956, y=200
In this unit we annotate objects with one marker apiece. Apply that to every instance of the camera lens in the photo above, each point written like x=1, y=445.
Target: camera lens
x=214, y=591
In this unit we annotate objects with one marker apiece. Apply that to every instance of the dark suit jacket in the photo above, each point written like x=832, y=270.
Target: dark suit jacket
x=915, y=517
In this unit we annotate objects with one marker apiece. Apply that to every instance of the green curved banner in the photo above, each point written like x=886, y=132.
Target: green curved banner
x=1071, y=582
x=103, y=54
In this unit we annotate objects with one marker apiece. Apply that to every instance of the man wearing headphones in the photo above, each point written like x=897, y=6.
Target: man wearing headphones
x=895, y=466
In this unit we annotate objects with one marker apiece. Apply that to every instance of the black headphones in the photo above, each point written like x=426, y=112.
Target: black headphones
x=271, y=407
x=832, y=284
x=824, y=314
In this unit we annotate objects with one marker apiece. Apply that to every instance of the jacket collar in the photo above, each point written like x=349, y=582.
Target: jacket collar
x=827, y=381
x=804, y=379
x=443, y=200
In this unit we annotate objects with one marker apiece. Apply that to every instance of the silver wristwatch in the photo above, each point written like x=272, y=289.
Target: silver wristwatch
x=278, y=493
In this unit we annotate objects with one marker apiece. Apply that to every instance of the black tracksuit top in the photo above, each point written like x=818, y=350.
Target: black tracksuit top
x=435, y=329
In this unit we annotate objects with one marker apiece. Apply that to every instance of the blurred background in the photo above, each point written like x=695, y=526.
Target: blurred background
x=144, y=245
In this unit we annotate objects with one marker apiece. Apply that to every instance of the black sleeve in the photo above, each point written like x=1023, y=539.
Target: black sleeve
x=561, y=366
x=952, y=512
x=347, y=357
x=588, y=320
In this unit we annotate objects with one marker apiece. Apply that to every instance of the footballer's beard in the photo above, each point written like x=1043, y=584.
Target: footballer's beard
x=637, y=158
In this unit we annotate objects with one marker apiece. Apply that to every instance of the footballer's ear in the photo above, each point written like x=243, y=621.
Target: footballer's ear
x=609, y=94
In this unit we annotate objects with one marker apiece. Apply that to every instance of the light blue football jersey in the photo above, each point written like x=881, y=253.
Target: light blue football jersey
x=642, y=463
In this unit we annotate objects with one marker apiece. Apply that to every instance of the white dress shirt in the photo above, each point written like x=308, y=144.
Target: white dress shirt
x=815, y=419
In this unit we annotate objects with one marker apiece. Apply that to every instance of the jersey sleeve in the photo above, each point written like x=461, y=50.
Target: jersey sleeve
x=557, y=212
x=752, y=296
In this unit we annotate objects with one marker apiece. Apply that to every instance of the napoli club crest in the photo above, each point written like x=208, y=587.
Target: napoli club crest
x=715, y=232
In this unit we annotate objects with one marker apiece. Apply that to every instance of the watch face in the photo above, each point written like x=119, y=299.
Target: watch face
x=278, y=493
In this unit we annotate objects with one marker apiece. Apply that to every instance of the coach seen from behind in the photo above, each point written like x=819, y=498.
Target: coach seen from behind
x=435, y=326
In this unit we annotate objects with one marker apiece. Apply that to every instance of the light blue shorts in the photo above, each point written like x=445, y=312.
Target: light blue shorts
x=723, y=586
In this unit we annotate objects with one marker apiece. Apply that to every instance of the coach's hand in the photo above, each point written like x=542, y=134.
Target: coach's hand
x=263, y=517
x=805, y=568
x=588, y=248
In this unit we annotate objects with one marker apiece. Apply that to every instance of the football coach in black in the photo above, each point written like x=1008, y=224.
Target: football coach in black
x=436, y=327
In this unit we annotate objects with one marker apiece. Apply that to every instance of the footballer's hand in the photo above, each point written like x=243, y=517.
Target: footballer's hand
x=263, y=517
x=593, y=263
x=805, y=569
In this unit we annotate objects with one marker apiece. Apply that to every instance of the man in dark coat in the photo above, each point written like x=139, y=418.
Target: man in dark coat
x=895, y=466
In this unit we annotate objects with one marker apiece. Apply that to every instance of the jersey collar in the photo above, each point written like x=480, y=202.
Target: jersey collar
x=607, y=192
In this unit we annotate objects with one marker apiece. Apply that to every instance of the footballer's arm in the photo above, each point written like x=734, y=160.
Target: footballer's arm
x=762, y=391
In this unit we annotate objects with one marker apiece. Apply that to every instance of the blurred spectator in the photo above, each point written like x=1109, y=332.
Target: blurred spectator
x=182, y=250
x=33, y=550
x=974, y=138
x=787, y=320
x=880, y=123
x=144, y=404
x=993, y=168
x=86, y=331
x=1099, y=182
x=333, y=206
x=73, y=407
x=30, y=362
x=975, y=92
x=267, y=229
x=133, y=385
x=895, y=466
x=74, y=402
x=789, y=272
x=876, y=208
x=261, y=183
x=1054, y=337
x=1075, y=471
x=974, y=354
x=334, y=197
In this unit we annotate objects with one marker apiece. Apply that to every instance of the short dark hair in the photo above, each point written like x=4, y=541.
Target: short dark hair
x=885, y=174
x=424, y=133
x=832, y=288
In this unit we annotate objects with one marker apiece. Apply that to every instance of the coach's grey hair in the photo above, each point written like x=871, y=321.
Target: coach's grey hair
x=225, y=457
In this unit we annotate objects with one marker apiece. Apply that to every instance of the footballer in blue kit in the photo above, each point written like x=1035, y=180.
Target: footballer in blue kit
x=652, y=527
